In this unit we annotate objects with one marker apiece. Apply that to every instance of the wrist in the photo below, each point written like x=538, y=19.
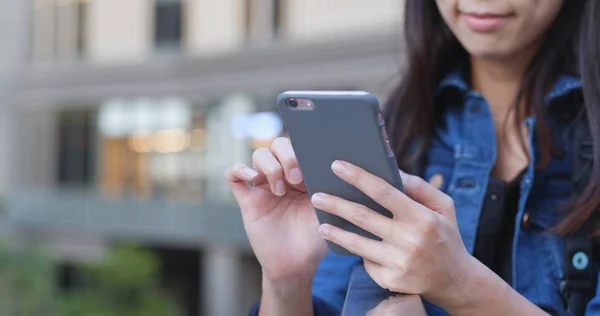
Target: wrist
x=474, y=288
x=288, y=287
x=282, y=279
x=292, y=296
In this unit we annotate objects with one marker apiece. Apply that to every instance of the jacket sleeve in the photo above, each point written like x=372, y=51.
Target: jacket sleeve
x=329, y=285
x=593, y=307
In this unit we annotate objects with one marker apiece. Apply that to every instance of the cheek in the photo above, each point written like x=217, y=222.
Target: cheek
x=448, y=11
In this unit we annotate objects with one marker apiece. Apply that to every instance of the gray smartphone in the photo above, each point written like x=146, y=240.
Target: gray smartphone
x=325, y=126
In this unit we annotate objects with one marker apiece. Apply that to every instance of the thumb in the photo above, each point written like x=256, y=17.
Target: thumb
x=427, y=195
x=238, y=177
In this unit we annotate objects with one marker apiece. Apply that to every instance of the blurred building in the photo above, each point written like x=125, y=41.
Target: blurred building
x=120, y=116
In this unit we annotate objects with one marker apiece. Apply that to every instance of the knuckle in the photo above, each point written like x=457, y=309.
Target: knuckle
x=412, y=250
x=430, y=223
x=388, y=281
x=382, y=190
x=283, y=149
x=381, y=281
x=332, y=205
x=385, y=283
x=353, y=244
x=391, y=233
x=447, y=203
x=361, y=214
x=420, y=184
x=399, y=266
x=289, y=161
x=272, y=171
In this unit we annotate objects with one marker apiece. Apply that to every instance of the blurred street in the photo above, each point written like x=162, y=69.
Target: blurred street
x=117, y=121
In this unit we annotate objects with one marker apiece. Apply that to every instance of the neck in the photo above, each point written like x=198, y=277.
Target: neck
x=498, y=80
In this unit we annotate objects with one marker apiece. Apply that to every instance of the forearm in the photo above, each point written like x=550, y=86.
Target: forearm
x=485, y=293
x=292, y=297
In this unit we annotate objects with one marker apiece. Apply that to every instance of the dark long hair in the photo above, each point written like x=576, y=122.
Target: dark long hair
x=571, y=45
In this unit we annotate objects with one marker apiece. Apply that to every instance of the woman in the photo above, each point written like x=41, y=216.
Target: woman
x=486, y=108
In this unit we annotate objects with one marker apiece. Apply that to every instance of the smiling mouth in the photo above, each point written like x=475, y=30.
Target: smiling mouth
x=485, y=22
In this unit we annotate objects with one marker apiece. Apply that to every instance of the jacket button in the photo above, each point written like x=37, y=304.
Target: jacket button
x=526, y=221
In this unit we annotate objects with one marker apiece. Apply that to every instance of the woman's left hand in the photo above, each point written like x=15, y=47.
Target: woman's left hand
x=421, y=251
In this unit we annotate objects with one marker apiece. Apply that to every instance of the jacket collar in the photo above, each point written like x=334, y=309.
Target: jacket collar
x=457, y=80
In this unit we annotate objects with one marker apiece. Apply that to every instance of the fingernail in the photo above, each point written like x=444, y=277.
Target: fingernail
x=279, y=188
x=324, y=230
x=295, y=176
x=249, y=172
x=318, y=200
x=403, y=175
x=339, y=167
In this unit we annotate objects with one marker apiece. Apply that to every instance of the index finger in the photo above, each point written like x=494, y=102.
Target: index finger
x=376, y=188
x=428, y=195
x=283, y=151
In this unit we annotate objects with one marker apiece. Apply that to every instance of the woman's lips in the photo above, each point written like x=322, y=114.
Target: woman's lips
x=484, y=22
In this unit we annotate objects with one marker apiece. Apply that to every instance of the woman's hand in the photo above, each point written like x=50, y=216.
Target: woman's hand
x=399, y=305
x=421, y=251
x=279, y=219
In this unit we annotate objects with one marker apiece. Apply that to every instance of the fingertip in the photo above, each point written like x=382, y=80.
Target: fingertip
x=318, y=200
x=295, y=176
x=251, y=173
x=340, y=167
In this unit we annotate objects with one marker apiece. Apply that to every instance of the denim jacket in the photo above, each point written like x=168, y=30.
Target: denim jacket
x=463, y=152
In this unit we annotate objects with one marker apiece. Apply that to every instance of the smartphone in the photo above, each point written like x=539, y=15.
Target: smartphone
x=325, y=126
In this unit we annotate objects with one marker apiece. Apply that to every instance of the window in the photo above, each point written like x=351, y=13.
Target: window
x=81, y=27
x=152, y=148
x=76, y=148
x=264, y=19
x=277, y=17
x=59, y=29
x=168, y=24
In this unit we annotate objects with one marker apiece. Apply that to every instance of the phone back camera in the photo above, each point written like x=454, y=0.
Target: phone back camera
x=292, y=102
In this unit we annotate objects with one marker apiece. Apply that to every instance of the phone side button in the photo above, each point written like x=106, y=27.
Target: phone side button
x=389, y=147
x=384, y=134
x=380, y=119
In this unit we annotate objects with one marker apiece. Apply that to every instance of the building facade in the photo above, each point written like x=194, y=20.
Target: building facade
x=121, y=117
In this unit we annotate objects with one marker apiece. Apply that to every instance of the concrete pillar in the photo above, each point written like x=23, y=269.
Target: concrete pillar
x=34, y=154
x=221, y=281
x=261, y=14
x=14, y=31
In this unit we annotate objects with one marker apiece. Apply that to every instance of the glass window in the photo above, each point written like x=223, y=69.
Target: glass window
x=277, y=17
x=264, y=19
x=82, y=8
x=76, y=134
x=59, y=30
x=152, y=148
x=168, y=24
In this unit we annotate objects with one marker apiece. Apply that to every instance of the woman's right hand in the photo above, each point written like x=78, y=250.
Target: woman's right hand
x=278, y=215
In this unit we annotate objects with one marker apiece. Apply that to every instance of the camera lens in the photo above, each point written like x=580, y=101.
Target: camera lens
x=292, y=102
